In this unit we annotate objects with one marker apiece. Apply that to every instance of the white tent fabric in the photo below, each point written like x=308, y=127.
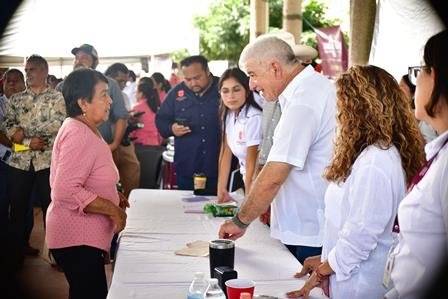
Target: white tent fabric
x=402, y=28
x=116, y=28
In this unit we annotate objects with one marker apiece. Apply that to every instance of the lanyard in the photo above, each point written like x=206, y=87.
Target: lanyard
x=416, y=179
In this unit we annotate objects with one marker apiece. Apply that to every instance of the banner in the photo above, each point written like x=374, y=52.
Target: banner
x=332, y=51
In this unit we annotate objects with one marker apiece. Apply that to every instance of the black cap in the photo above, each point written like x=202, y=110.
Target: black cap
x=89, y=49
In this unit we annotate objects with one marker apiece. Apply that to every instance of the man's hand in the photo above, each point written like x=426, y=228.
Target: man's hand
x=309, y=265
x=113, y=146
x=37, y=143
x=265, y=218
x=119, y=218
x=18, y=136
x=179, y=130
x=229, y=230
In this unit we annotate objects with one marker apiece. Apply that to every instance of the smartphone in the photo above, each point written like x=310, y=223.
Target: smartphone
x=182, y=121
x=137, y=114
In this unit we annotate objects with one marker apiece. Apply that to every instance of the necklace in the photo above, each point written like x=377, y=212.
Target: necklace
x=85, y=121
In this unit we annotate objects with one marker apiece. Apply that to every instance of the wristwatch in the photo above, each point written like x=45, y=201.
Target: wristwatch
x=238, y=222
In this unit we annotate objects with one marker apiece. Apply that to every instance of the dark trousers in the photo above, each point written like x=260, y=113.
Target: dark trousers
x=4, y=202
x=20, y=188
x=302, y=252
x=84, y=270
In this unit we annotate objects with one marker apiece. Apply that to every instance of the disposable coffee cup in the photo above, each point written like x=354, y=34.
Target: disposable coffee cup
x=221, y=253
x=240, y=285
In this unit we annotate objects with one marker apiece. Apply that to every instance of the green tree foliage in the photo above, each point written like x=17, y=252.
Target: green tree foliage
x=179, y=55
x=225, y=30
x=313, y=16
x=275, y=13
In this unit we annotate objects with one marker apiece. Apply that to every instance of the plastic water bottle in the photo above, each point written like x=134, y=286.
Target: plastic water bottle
x=197, y=286
x=213, y=290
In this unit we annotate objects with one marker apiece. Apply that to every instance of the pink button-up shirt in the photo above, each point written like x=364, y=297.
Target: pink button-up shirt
x=81, y=169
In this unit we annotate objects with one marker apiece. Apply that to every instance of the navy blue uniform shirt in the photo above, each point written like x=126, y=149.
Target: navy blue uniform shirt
x=197, y=151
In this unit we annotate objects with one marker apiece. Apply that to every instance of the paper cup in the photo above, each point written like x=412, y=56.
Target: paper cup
x=237, y=286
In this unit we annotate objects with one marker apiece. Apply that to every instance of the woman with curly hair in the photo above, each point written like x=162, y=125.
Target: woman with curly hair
x=378, y=149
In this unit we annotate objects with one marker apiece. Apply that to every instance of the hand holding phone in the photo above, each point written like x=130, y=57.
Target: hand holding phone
x=138, y=114
x=182, y=122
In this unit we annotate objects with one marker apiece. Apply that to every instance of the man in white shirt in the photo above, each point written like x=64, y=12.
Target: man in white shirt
x=292, y=178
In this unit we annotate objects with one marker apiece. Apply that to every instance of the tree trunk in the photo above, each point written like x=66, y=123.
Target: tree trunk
x=259, y=18
x=292, y=18
x=362, y=22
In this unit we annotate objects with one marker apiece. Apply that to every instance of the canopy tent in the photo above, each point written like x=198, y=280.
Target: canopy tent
x=402, y=28
x=128, y=30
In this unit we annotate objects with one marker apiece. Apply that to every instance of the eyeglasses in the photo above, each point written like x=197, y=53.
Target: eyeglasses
x=413, y=72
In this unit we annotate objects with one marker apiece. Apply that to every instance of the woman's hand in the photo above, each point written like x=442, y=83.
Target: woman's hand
x=124, y=202
x=119, y=218
x=304, y=292
x=309, y=265
x=325, y=285
x=224, y=196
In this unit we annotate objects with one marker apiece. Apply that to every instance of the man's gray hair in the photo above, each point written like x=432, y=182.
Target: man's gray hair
x=267, y=47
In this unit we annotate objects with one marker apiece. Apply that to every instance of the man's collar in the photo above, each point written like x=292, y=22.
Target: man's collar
x=44, y=90
x=290, y=88
x=210, y=83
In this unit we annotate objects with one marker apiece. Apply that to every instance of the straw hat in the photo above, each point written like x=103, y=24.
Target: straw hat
x=283, y=35
x=304, y=52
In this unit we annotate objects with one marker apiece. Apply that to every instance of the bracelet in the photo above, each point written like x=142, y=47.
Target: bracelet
x=320, y=277
x=238, y=222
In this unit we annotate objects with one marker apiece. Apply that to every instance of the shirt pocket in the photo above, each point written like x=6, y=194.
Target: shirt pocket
x=185, y=110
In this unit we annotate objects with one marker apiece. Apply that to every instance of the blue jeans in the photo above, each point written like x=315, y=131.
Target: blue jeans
x=302, y=252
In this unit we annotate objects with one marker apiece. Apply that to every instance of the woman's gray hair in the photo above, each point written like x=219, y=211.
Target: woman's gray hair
x=267, y=47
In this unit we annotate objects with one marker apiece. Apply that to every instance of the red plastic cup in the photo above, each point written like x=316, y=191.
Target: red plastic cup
x=239, y=285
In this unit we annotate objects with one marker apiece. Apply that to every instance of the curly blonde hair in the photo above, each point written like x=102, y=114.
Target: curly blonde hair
x=372, y=109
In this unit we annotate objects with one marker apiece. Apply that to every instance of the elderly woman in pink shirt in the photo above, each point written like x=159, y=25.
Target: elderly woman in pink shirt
x=85, y=208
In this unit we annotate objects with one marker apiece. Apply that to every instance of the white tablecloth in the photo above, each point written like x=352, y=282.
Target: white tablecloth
x=146, y=266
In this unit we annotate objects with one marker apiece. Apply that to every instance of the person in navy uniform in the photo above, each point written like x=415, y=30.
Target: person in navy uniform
x=190, y=114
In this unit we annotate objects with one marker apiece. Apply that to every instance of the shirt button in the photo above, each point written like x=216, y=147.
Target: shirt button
x=203, y=127
x=203, y=152
x=202, y=114
x=203, y=140
x=183, y=109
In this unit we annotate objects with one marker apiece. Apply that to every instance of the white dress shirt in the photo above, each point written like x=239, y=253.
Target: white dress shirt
x=303, y=138
x=423, y=235
x=359, y=216
x=243, y=131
